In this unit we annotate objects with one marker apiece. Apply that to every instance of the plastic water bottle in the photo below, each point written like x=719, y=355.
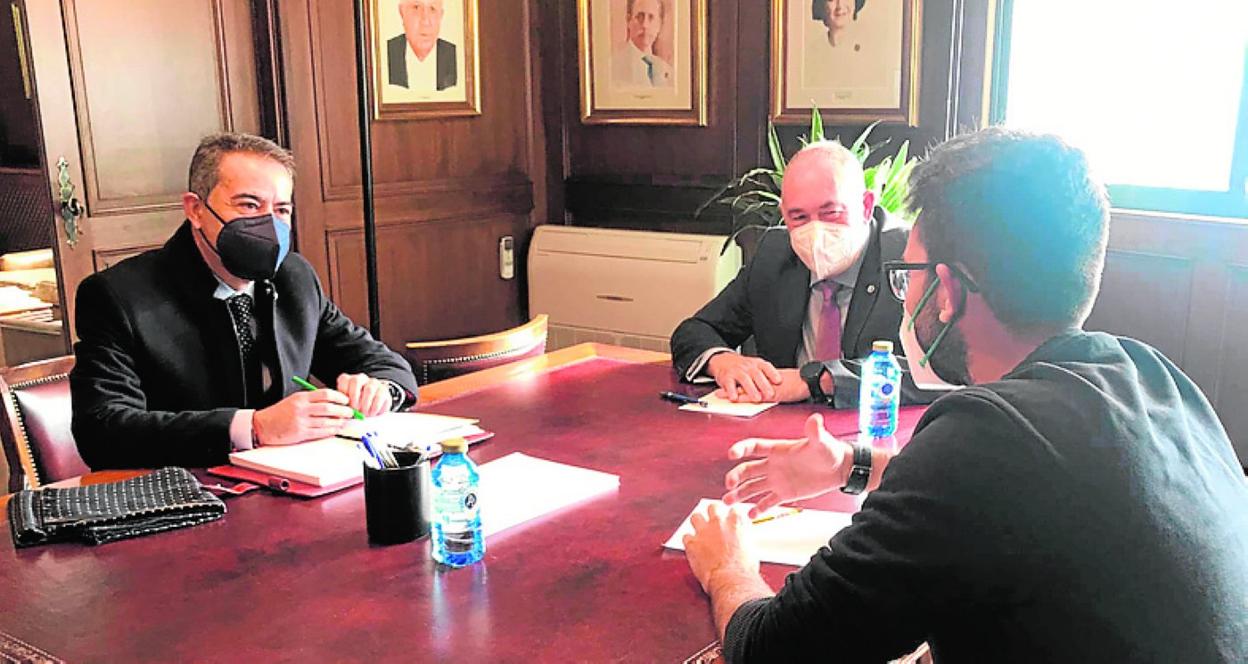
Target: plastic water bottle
x=880, y=392
x=457, y=539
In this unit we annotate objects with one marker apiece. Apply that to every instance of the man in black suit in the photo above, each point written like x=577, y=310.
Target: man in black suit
x=422, y=21
x=812, y=297
x=187, y=352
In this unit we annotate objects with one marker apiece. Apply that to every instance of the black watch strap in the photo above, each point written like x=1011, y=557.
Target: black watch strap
x=812, y=373
x=860, y=473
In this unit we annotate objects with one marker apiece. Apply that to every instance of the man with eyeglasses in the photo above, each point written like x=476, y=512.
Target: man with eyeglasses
x=1078, y=500
x=811, y=297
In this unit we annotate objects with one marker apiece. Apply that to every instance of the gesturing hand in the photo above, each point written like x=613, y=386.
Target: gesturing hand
x=741, y=378
x=370, y=396
x=300, y=417
x=789, y=470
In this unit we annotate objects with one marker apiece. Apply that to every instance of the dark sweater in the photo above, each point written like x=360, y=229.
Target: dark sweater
x=1086, y=507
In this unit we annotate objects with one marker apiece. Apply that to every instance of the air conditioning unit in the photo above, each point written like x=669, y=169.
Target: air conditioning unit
x=626, y=288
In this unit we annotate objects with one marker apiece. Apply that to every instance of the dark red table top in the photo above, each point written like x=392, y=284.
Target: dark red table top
x=284, y=579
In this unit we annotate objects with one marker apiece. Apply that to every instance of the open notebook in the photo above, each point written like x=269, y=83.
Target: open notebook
x=334, y=463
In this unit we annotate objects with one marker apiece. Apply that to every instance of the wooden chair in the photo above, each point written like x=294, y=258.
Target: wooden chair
x=437, y=360
x=38, y=442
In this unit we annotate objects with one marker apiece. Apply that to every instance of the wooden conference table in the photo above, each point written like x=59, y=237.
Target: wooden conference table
x=279, y=578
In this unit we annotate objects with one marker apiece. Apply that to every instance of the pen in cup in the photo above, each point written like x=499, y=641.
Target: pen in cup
x=681, y=398
x=765, y=519
x=312, y=388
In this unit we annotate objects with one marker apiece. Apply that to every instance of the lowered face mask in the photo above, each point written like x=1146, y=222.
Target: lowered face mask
x=918, y=359
x=828, y=249
x=251, y=248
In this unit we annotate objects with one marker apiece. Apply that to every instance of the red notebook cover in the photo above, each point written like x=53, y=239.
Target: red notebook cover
x=281, y=484
x=302, y=489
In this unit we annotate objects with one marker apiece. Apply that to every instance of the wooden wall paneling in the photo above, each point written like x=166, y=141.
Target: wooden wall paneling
x=1156, y=315
x=654, y=176
x=19, y=133
x=440, y=184
x=448, y=288
x=1231, y=386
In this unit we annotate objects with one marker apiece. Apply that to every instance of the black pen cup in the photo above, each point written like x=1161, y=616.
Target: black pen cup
x=398, y=502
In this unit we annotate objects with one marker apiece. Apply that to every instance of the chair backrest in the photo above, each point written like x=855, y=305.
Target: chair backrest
x=438, y=360
x=38, y=442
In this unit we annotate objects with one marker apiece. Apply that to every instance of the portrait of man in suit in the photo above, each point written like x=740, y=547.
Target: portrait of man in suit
x=634, y=63
x=419, y=59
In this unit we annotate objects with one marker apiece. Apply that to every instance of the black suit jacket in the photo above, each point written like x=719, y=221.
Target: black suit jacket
x=769, y=297
x=159, y=375
x=397, y=56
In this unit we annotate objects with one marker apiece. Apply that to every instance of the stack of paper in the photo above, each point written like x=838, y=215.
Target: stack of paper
x=320, y=462
x=717, y=405
x=790, y=539
x=417, y=432
x=518, y=487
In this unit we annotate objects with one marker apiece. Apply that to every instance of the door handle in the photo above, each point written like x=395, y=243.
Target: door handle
x=71, y=209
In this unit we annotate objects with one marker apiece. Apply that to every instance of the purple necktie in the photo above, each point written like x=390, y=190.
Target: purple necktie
x=828, y=327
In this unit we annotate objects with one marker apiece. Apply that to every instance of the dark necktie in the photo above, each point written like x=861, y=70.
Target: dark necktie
x=649, y=60
x=241, y=311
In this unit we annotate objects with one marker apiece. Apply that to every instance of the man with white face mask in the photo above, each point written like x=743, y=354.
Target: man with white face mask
x=812, y=297
x=1079, y=501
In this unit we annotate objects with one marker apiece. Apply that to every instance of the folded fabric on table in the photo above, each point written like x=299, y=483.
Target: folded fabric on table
x=163, y=500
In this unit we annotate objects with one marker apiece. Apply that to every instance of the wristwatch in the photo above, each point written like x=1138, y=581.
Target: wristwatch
x=860, y=472
x=811, y=373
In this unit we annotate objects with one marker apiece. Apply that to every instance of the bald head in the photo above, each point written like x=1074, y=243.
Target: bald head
x=824, y=181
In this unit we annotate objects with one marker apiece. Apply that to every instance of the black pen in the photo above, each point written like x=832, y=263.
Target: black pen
x=681, y=398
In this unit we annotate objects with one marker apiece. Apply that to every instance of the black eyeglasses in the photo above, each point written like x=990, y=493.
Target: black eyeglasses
x=897, y=274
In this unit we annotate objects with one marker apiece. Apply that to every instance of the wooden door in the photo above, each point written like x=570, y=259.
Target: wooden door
x=125, y=91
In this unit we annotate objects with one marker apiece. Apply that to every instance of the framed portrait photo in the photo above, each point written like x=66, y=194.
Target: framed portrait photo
x=424, y=58
x=642, y=61
x=857, y=60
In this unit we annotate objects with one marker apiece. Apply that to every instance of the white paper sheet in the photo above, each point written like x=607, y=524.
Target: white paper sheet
x=789, y=540
x=400, y=429
x=321, y=462
x=517, y=488
x=721, y=406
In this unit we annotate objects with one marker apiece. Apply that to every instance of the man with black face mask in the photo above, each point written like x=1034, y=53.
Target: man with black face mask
x=1076, y=501
x=187, y=352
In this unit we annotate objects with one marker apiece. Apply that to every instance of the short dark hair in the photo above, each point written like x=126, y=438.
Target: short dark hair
x=206, y=163
x=628, y=9
x=819, y=9
x=1023, y=216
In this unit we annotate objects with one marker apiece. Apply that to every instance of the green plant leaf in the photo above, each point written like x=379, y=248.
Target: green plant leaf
x=816, y=125
x=860, y=143
x=777, y=155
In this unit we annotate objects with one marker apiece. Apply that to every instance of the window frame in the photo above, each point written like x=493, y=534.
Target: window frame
x=1231, y=203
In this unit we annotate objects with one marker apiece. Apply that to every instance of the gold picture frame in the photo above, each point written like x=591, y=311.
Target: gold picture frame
x=857, y=60
x=445, y=82
x=621, y=83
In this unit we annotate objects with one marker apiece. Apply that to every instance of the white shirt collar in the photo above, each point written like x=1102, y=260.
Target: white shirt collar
x=224, y=292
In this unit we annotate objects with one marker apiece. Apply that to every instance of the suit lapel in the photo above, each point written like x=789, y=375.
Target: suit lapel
x=793, y=291
x=866, y=291
x=223, y=361
x=285, y=359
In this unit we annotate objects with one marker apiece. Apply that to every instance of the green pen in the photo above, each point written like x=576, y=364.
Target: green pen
x=309, y=386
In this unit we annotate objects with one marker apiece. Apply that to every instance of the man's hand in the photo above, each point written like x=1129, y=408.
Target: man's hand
x=370, y=396
x=741, y=378
x=301, y=417
x=790, y=470
x=719, y=546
